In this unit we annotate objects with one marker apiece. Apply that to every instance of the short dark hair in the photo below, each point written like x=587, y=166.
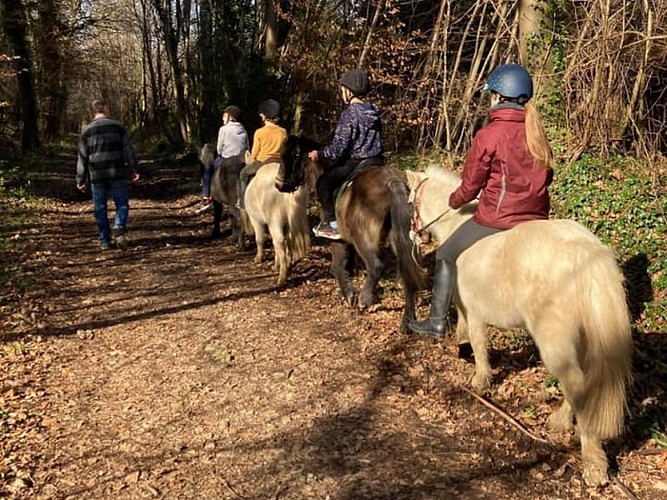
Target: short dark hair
x=232, y=111
x=99, y=106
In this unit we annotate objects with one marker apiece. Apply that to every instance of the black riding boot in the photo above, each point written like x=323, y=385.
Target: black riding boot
x=443, y=287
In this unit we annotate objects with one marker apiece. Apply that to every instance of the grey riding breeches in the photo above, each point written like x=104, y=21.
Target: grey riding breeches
x=463, y=238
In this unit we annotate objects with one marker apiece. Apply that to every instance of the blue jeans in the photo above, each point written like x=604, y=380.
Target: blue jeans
x=116, y=189
x=209, y=171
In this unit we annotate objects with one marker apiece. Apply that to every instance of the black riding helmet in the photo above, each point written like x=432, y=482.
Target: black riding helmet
x=270, y=109
x=233, y=111
x=357, y=81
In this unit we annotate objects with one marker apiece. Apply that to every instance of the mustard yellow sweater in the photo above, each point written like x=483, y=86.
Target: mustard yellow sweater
x=269, y=141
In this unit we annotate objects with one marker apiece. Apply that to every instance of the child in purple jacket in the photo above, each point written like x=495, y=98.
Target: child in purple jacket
x=358, y=137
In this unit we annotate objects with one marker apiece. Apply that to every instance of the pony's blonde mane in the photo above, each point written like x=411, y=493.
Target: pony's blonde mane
x=439, y=173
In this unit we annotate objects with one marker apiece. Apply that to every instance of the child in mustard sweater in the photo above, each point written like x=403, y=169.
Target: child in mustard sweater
x=268, y=144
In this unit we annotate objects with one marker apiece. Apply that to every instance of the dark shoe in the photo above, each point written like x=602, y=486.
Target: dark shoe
x=443, y=288
x=324, y=230
x=431, y=327
x=121, y=241
x=105, y=245
x=120, y=238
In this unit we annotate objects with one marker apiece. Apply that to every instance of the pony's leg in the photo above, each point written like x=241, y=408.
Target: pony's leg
x=558, y=350
x=369, y=253
x=260, y=240
x=339, y=269
x=562, y=419
x=217, y=217
x=465, y=349
x=280, y=262
x=594, y=461
x=409, y=309
x=237, y=231
x=481, y=379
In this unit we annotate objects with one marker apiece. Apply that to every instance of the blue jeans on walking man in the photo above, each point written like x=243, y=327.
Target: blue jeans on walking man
x=116, y=190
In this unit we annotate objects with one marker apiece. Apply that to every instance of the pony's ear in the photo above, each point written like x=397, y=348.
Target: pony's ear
x=414, y=178
x=248, y=158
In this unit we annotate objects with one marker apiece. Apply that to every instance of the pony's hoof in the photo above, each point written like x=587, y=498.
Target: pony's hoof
x=480, y=382
x=350, y=298
x=595, y=474
x=365, y=301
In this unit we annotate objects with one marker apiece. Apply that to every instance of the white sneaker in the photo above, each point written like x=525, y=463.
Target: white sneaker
x=204, y=207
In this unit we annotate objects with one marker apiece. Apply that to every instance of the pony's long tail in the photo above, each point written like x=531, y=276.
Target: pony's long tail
x=607, y=356
x=298, y=231
x=401, y=219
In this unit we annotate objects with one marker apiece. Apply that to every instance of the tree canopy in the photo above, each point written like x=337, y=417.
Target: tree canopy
x=170, y=66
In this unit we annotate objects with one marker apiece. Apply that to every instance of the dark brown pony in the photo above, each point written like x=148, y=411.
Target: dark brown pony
x=372, y=211
x=225, y=190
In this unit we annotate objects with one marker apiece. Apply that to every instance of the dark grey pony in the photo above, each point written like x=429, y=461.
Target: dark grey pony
x=225, y=190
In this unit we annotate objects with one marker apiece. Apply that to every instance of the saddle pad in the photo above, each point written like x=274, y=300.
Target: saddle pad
x=363, y=167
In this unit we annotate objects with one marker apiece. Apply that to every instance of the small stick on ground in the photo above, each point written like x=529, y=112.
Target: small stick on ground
x=505, y=415
x=623, y=489
x=229, y=487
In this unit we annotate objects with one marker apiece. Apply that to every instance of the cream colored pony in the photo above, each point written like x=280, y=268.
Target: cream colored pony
x=558, y=281
x=284, y=214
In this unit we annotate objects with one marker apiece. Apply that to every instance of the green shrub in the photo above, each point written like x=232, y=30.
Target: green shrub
x=617, y=199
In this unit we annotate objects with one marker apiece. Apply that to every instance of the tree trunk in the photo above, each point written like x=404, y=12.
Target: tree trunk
x=270, y=30
x=54, y=90
x=164, y=13
x=533, y=42
x=15, y=25
x=369, y=34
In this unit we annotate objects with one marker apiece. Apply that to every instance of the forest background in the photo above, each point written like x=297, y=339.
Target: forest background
x=169, y=67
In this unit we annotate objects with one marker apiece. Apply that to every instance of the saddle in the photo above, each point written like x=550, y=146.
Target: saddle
x=364, y=166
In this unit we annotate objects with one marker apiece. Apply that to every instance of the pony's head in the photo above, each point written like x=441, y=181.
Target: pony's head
x=207, y=154
x=433, y=172
x=452, y=179
x=291, y=174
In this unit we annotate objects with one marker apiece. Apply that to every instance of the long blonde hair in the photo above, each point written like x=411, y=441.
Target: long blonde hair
x=536, y=138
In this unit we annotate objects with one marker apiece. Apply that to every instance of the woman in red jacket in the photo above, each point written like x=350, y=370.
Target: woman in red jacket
x=510, y=162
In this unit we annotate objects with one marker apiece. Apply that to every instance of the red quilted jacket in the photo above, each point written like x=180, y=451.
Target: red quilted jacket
x=499, y=164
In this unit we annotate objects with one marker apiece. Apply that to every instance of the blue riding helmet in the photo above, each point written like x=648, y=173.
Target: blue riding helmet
x=512, y=81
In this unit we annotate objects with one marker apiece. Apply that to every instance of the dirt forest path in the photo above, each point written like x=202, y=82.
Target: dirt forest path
x=177, y=369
